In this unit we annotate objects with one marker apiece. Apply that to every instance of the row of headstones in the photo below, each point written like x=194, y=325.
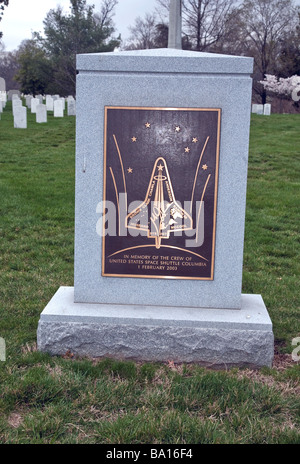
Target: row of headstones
x=36, y=104
x=262, y=109
x=53, y=103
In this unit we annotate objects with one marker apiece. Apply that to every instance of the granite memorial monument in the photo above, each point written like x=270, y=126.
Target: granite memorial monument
x=162, y=141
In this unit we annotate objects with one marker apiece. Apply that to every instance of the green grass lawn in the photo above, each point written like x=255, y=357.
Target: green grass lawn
x=47, y=399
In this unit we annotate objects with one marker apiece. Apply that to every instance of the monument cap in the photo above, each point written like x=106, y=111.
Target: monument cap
x=165, y=60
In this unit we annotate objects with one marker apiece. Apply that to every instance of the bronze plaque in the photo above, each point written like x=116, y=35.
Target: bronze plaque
x=160, y=192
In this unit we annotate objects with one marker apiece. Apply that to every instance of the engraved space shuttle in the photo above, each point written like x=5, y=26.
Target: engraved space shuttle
x=159, y=214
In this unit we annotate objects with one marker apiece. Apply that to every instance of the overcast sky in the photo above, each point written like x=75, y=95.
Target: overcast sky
x=21, y=17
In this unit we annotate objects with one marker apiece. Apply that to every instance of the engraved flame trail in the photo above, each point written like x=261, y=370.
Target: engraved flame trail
x=166, y=215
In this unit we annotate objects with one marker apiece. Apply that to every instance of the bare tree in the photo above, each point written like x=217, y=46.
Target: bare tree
x=104, y=18
x=204, y=22
x=162, y=9
x=264, y=23
x=142, y=33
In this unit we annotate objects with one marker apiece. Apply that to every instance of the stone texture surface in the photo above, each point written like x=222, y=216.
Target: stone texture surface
x=162, y=78
x=215, y=347
x=218, y=338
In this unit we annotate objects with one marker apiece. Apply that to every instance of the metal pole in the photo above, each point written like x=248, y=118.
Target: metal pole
x=175, y=21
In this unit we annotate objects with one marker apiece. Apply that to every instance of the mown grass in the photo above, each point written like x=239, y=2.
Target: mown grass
x=271, y=257
x=47, y=399
x=57, y=401
x=37, y=215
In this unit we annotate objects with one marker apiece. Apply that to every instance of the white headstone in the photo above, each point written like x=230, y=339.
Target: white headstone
x=63, y=100
x=267, y=109
x=260, y=109
x=3, y=98
x=41, y=113
x=49, y=103
x=58, y=109
x=1, y=106
x=28, y=101
x=71, y=107
x=20, y=117
x=16, y=102
x=34, y=102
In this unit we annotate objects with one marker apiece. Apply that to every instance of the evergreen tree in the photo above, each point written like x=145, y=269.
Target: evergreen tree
x=35, y=70
x=80, y=31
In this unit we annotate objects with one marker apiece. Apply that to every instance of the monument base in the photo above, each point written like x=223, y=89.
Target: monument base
x=217, y=338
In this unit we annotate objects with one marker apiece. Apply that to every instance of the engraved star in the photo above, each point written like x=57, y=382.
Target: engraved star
x=187, y=150
x=129, y=170
x=147, y=125
x=134, y=139
x=195, y=140
x=204, y=167
x=177, y=129
x=160, y=167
